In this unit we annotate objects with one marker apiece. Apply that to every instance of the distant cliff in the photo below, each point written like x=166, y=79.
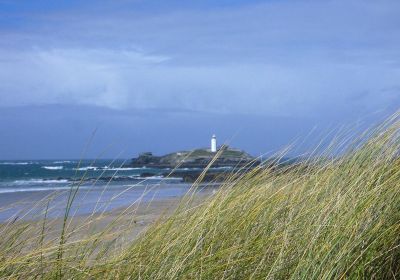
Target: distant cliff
x=195, y=158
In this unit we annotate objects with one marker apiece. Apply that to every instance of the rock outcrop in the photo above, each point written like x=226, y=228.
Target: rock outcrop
x=198, y=158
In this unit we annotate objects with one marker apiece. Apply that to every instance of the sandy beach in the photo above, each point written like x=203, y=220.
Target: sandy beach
x=88, y=200
x=120, y=221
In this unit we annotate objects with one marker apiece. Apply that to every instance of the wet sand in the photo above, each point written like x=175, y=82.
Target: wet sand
x=124, y=222
x=30, y=205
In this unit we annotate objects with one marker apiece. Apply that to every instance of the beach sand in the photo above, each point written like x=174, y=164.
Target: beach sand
x=123, y=224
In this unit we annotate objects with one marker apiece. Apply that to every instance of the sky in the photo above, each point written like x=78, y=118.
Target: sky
x=165, y=75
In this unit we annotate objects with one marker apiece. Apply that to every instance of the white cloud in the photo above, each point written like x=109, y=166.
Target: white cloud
x=94, y=76
x=279, y=58
x=129, y=79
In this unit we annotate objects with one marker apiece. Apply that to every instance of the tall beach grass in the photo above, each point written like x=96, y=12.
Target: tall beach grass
x=329, y=216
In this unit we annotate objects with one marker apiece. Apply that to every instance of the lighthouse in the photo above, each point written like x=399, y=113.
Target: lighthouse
x=213, y=144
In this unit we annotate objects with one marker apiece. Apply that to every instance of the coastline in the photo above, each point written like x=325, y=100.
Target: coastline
x=31, y=205
x=125, y=224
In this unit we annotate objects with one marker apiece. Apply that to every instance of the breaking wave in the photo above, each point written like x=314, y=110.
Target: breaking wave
x=40, y=181
x=16, y=163
x=53, y=167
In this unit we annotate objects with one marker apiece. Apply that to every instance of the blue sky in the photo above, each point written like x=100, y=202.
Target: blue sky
x=165, y=75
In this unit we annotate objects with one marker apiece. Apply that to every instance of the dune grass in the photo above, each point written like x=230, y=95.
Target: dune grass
x=326, y=217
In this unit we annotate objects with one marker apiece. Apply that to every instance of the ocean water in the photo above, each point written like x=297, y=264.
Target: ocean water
x=42, y=175
x=27, y=186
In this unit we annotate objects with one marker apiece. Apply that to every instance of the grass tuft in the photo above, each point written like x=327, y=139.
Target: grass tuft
x=326, y=217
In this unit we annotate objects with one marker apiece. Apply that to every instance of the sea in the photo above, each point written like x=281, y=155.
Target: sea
x=102, y=185
x=40, y=175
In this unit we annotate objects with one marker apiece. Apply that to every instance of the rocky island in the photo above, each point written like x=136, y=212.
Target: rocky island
x=189, y=164
x=198, y=158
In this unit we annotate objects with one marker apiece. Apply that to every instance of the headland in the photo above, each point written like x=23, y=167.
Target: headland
x=190, y=164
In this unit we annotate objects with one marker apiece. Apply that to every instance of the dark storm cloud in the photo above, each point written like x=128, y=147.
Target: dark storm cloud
x=318, y=61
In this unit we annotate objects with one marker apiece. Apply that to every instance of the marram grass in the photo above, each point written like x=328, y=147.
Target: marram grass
x=327, y=217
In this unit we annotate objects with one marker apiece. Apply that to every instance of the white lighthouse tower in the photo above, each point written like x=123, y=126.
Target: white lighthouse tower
x=213, y=144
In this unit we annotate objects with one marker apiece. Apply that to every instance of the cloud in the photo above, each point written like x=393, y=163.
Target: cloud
x=283, y=58
x=130, y=79
x=72, y=76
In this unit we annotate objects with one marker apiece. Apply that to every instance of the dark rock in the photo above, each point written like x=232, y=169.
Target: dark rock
x=198, y=158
